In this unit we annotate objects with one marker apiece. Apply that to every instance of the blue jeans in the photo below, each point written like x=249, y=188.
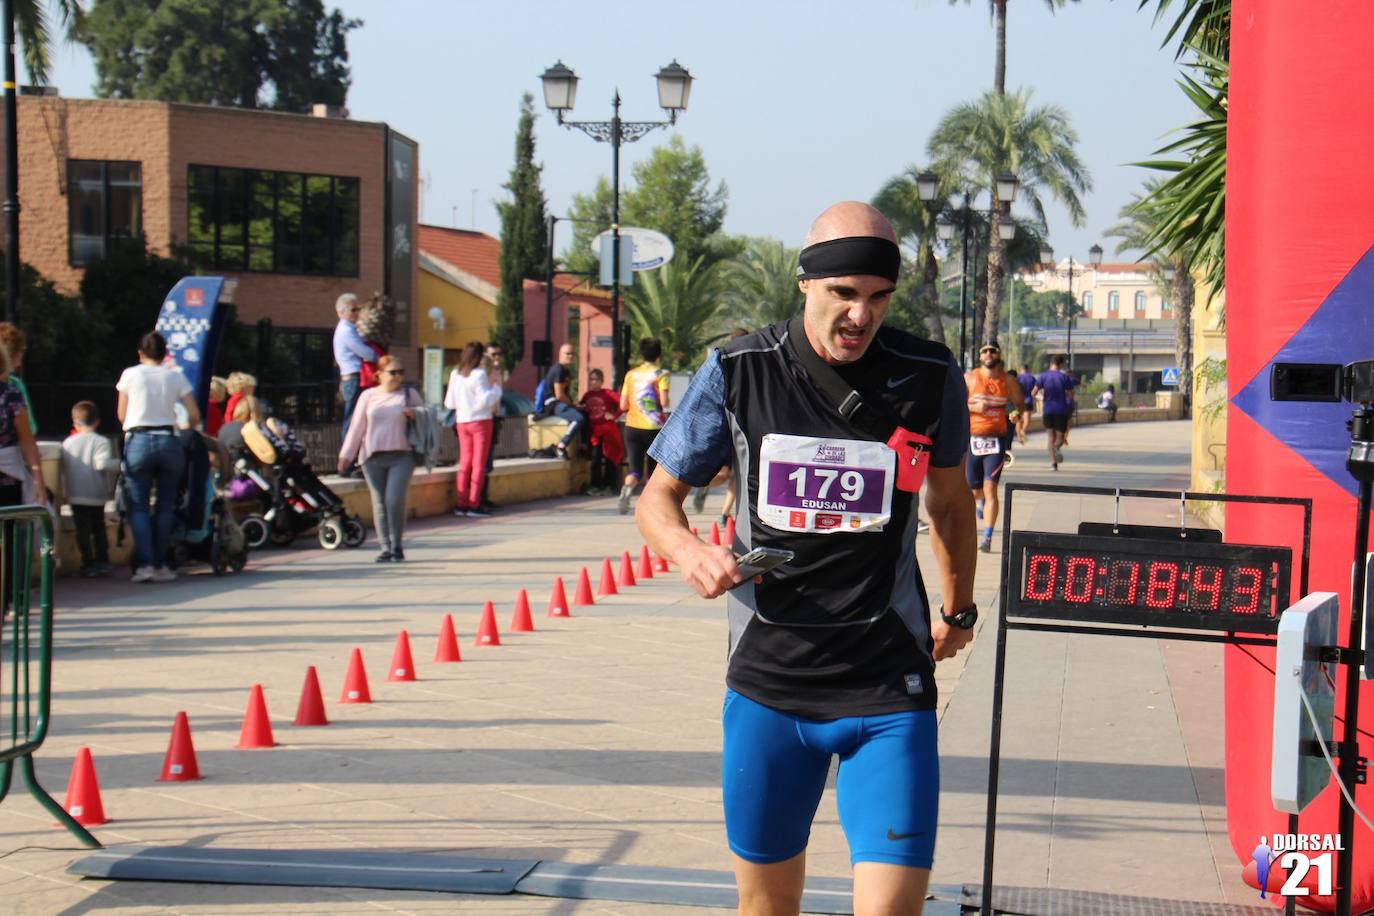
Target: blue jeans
x=348, y=390
x=576, y=419
x=152, y=460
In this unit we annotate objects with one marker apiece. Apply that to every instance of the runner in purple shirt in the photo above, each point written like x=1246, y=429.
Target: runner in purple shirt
x=1056, y=406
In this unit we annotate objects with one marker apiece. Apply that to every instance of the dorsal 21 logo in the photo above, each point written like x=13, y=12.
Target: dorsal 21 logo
x=1298, y=854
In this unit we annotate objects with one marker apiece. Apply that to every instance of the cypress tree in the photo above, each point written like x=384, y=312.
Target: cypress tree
x=524, y=244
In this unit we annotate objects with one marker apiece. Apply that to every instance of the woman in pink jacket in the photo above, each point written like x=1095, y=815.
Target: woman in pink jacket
x=377, y=440
x=474, y=394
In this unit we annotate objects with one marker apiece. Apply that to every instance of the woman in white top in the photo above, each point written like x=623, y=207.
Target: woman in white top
x=474, y=394
x=148, y=395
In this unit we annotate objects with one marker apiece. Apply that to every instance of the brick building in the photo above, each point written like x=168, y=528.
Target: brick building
x=298, y=209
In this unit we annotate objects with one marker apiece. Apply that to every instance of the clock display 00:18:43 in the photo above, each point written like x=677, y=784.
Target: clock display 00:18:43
x=1204, y=586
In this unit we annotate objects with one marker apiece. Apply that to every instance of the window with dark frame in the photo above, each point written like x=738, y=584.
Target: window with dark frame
x=273, y=222
x=104, y=205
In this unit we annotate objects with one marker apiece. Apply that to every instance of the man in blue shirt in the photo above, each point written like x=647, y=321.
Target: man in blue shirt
x=350, y=352
x=1056, y=388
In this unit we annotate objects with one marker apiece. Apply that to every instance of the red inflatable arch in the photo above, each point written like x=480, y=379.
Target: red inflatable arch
x=1300, y=287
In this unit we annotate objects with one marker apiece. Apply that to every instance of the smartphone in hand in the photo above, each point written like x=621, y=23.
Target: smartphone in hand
x=761, y=559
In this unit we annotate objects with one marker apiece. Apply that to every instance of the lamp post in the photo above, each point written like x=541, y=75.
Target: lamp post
x=560, y=90
x=927, y=185
x=1094, y=258
x=11, y=206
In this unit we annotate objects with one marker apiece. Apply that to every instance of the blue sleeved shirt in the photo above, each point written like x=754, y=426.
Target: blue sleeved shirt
x=350, y=350
x=695, y=442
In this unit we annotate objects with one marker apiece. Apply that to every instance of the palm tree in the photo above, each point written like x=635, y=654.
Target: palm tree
x=1138, y=226
x=914, y=220
x=676, y=303
x=760, y=284
x=1188, y=208
x=998, y=10
x=35, y=33
x=976, y=141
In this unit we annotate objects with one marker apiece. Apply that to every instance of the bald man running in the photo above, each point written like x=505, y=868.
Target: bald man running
x=832, y=422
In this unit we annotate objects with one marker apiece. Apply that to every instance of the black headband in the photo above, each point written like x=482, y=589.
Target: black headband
x=861, y=255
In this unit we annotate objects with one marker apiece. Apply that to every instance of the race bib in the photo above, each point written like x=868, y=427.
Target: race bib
x=825, y=485
x=984, y=445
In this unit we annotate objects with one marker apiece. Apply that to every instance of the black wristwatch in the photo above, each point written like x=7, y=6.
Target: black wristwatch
x=964, y=620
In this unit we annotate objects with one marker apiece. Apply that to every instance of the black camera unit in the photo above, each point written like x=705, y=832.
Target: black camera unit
x=1330, y=382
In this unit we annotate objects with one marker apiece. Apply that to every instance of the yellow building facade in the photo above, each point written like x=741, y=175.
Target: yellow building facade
x=452, y=307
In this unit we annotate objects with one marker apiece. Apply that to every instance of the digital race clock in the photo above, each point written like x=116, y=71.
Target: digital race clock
x=1093, y=578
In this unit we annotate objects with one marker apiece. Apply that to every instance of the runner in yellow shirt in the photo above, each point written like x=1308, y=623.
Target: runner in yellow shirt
x=644, y=398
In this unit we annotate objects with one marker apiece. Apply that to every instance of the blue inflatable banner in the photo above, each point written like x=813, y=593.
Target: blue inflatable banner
x=192, y=319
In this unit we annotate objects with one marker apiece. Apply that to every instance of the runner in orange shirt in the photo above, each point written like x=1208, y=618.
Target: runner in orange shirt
x=991, y=392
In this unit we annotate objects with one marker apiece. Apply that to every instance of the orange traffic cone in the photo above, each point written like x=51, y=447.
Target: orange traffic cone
x=715, y=535
x=730, y=532
x=447, y=649
x=627, y=573
x=355, y=682
x=558, y=601
x=180, y=763
x=646, y=566
x=310, y=710
x=660, y=564
x=486, y=630
x=583, y=597
x=402, y=665
x=256, y=732
x=520, y=621
x=83, y=792
x=607, y=584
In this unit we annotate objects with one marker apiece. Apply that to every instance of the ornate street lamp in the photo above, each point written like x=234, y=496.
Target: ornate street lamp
x=560, y=90
x=927, y=183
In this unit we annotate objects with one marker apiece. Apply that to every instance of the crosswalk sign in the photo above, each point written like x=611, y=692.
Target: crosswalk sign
x=1170, y=376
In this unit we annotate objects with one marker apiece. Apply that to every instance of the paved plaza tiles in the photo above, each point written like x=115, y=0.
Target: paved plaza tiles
x=595, y=739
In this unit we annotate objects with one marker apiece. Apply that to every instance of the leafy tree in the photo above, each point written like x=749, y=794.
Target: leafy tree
x=759, y=286
x=677, y=303
x=997, y=9
x=220, y=53
x=671, y=191
x=126, y=289
x=673, y=194
x=524, y=239
x=976, y=141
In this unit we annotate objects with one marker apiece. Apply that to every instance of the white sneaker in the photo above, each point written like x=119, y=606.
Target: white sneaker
x=163, y=574
x=142, y=574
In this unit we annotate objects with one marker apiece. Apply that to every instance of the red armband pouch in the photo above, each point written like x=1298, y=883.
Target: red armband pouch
x=913, y=458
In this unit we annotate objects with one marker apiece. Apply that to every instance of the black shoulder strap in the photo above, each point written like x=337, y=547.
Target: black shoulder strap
x=875, y=417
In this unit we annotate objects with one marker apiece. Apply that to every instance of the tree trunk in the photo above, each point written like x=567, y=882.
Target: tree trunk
x=980, y=306
x=999, y=71
x=997, y=249
x=1181, y=292
x=930, y=292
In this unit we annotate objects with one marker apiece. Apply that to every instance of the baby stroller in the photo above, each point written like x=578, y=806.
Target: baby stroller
x=294, y=499
x=205, y=531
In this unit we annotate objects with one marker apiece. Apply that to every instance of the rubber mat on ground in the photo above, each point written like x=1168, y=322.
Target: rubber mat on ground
x=1049, y=901
x=446, y=873
x=306, y=868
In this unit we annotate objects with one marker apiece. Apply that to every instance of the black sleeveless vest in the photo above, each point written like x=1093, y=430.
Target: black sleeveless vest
x=842, y=630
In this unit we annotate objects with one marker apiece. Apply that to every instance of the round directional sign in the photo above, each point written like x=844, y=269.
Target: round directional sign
x=652, y=248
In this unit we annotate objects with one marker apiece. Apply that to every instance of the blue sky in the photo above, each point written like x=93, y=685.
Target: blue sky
x=795, y=105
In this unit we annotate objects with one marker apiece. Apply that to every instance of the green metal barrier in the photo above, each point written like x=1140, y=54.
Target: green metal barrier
x=30, y=691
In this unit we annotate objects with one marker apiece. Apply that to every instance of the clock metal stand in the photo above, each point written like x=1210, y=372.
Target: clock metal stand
x=1077, y=606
